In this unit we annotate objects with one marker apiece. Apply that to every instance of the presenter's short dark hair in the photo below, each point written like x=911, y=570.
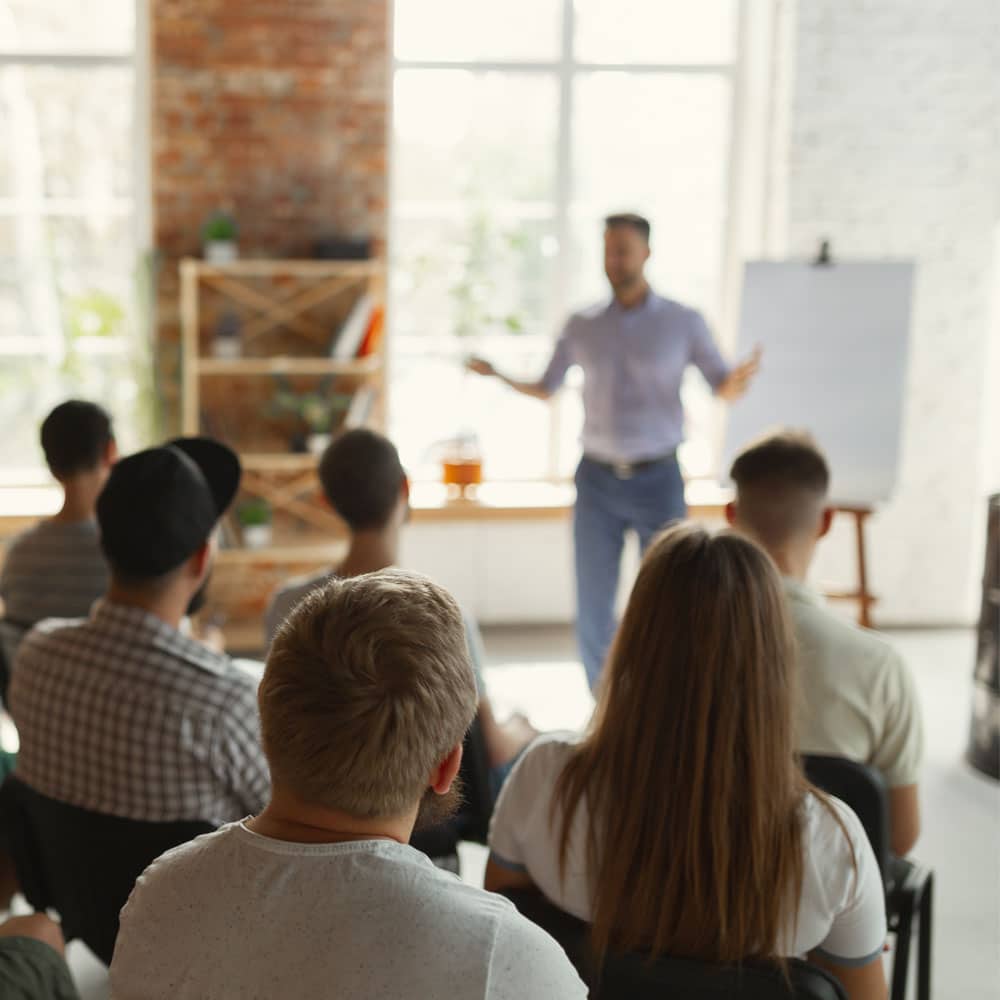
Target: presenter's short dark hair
x=361, y=475
x=75, y=437
x=629, y=220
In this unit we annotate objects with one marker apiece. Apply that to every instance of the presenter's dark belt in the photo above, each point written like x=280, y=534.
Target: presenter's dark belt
x=626, y=470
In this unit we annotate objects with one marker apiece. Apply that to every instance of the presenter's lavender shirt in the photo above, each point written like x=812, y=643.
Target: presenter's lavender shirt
x=633, y=361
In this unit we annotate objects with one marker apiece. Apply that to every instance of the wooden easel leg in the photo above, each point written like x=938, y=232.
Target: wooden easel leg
x=864, y=597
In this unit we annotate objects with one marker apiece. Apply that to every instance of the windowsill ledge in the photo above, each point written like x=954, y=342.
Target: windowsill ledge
x=21, y=506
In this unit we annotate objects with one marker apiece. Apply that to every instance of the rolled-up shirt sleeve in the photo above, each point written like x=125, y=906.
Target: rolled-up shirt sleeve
x=561, y=362
x=705, y=355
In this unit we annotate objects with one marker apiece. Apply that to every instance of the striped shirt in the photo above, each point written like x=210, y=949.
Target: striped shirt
x=633, y=363
x=120, y=713
x=54, y=570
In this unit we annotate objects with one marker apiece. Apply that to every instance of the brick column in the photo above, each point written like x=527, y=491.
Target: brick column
x=274, y=110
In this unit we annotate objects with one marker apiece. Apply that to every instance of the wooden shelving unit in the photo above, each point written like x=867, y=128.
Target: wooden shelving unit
x=289, y=312
x=287, y=366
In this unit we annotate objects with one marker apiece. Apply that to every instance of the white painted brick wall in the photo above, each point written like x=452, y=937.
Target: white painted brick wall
x=894, y=151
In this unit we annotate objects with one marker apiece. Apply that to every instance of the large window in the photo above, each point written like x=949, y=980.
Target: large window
x=68, y=261
x=517, y=127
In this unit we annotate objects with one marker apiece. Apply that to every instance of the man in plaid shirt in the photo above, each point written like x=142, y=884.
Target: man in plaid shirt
x=121, y=712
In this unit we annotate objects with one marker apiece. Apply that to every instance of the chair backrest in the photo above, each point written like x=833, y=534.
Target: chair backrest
x=11, y=634
x=472, y=821
x=862, y=788
x=635, y=977
x=82, y=864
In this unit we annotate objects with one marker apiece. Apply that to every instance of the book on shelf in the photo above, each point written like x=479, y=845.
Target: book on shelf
x=373, y=336
x=352, y=331
x=360, y=409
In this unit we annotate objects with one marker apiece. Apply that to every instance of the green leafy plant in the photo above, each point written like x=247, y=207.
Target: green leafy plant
x=254, y=512
x=88, y=316
x=474, y=288
x=219, y=228
x=315, y=411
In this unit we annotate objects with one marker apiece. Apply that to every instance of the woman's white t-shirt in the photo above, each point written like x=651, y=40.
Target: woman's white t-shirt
x=841, y=914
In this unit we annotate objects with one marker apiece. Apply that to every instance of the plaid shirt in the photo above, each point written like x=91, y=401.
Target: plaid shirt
x=120, y=713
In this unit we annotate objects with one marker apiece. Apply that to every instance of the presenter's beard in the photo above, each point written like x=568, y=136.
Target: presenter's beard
x=435, y=809
x=623, y=284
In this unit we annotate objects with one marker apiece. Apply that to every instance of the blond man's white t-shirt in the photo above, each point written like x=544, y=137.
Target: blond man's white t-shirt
x=234, y=914
x=841, y=909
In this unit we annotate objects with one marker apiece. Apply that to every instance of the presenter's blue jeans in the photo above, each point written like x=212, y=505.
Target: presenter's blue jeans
x=606, y=507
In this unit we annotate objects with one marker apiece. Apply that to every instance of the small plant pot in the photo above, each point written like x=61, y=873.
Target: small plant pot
x=220, y=251
x=257, y=536
x=227, y=347
x=316, y=444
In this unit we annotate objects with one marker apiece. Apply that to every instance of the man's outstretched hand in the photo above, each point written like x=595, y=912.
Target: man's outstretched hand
x=740, y=377
x=480, y=366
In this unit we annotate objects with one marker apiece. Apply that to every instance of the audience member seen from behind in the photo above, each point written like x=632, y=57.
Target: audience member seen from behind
x=680, y=824
x=56, y=568
x=32, y=966
x=122, y=712
x=366, y=697
x=857, y=698
x=365, y=484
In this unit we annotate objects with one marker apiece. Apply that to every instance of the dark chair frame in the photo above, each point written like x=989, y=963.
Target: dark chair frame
x=81, y=863
x=635, y=977
x=909, y=885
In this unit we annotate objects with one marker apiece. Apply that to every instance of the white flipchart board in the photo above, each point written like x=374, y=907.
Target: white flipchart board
x=835, y=340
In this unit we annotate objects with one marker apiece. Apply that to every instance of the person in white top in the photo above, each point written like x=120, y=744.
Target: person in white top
x=365, y=699
x=858, y=698
x=681, y=824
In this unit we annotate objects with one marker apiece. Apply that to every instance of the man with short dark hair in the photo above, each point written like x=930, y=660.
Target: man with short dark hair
x=123, y=713
x=56, y=569
x=364, y=482
x=634, y=351
x=858, y=699
x=366, y=697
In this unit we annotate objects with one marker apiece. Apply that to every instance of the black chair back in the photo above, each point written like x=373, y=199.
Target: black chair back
x=11, y=634
x=82, y=864
x=635, y=977
x=472, y=821
x=863, y=789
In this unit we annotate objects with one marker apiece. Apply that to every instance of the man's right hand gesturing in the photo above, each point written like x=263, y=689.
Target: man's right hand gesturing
x=480, y=366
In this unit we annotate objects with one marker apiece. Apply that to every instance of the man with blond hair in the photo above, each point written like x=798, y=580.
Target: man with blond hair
x=366, y=697
x=858, y=698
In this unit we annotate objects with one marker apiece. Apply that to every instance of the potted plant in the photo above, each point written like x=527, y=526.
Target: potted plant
x=315, y=413
x=228, y=341
x=255, y=523
x=218, y=237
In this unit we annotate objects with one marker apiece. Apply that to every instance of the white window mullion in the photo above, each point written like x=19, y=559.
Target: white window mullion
x=564, y=196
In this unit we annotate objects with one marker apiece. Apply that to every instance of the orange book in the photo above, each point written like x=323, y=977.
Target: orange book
x=373, y=335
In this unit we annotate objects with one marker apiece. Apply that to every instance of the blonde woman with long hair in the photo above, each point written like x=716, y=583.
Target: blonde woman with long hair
x=680, y=824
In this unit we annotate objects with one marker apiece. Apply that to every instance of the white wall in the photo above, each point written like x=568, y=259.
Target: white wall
x=894, y=151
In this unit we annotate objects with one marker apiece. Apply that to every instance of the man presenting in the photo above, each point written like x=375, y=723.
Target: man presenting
x=634, y=351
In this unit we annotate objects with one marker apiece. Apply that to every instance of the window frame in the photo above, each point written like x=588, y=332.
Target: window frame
x=566, y=67
x=135, y=210
x=138, y=207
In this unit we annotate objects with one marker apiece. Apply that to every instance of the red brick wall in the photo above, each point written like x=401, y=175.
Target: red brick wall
x=276, y=110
